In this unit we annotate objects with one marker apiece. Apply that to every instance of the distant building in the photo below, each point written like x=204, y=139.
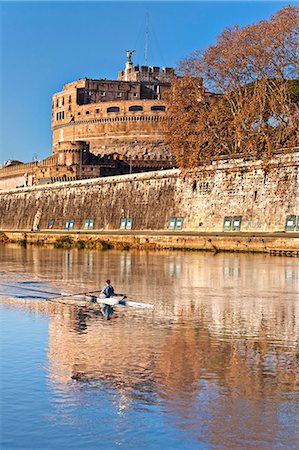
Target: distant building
x=123, y=116
x=102, y=127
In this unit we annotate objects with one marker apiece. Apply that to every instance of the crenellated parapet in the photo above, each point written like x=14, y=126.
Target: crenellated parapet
x=124, y=116
x=69, y=153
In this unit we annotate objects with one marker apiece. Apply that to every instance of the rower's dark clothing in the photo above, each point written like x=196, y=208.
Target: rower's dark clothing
x=108, y=311
x=108, y=290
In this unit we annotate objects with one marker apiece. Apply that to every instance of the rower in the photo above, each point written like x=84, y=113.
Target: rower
x=107, y=292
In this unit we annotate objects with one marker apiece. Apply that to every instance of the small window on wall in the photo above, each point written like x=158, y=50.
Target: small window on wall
x=236, y=223
x=69, y=224
x=227, y=224
x=158, y=108
x=135, y=108
x=51, y=223
x=175, y=223
x=113, y=109
x=290, y=224
x=126, y=224
x=232, y=223
x=89, y=224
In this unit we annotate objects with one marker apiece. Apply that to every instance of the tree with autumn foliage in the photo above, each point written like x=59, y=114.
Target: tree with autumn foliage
x=240, y=96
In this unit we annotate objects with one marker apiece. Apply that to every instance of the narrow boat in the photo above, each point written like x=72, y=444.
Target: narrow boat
x=94, y=302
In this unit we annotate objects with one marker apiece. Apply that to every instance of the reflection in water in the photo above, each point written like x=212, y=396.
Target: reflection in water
x=217, y=357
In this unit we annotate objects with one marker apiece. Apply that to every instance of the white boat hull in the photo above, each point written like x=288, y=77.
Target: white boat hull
x=92, y=300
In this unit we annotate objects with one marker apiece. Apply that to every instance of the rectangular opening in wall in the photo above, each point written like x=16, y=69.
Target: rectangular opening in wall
x=89, y=224
x=123, y=222
x=227, y=223
x=171, y=223
x=232, y=223
x=179, y=223
x=69, y=224
x=51, y=223
x=290, y=224
x=236, y=225
x=129, y=224
x=175, y=223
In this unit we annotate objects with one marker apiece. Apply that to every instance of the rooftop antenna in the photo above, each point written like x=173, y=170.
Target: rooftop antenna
x=146, y=39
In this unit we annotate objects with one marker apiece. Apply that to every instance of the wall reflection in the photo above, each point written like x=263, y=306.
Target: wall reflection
x=224, y=327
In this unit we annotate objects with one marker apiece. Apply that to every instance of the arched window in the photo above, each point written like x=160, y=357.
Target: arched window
x=135, y=108
x=113, y=109
x=158, y=108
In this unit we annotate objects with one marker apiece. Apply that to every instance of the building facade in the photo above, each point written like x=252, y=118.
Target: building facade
x=103, y=127
x=123, y=116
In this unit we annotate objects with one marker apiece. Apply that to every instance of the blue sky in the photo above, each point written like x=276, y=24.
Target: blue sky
x=47, y=44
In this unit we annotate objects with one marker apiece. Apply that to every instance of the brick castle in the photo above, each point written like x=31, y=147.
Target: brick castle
x=102, y=127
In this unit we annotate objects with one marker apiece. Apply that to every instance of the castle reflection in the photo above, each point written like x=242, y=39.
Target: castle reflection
x=223, y=326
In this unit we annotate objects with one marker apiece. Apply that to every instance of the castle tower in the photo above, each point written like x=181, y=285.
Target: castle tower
x=123, y=116
x=70, y=153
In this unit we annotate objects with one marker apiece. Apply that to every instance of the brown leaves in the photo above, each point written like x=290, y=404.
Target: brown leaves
x=255, y=71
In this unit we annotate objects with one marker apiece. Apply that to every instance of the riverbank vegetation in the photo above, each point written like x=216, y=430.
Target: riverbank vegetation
x=239, y=97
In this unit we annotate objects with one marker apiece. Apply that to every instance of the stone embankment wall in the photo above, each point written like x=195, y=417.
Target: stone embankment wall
x=263, y=200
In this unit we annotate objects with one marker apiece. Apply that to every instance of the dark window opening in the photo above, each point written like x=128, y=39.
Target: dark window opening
x=158, y=108
x=135, y=108
x=113, y=109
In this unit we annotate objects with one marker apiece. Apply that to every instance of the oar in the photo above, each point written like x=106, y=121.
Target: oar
x=72, y=295
x=27, y=289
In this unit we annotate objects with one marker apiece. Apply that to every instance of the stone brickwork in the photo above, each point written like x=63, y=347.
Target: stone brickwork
x=232, y=189
x=112, y=127
x=123, y=116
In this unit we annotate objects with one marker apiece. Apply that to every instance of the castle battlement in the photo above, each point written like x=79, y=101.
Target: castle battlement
x=122, y=116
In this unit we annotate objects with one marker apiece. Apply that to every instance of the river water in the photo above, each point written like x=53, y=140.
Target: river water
x=213, y=365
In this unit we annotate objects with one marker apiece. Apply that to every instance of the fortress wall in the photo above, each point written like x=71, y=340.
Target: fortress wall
x=125, y=132
x=233, y=188
x=10, y=182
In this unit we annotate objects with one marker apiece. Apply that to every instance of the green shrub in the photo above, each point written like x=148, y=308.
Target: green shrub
x=64, y=242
